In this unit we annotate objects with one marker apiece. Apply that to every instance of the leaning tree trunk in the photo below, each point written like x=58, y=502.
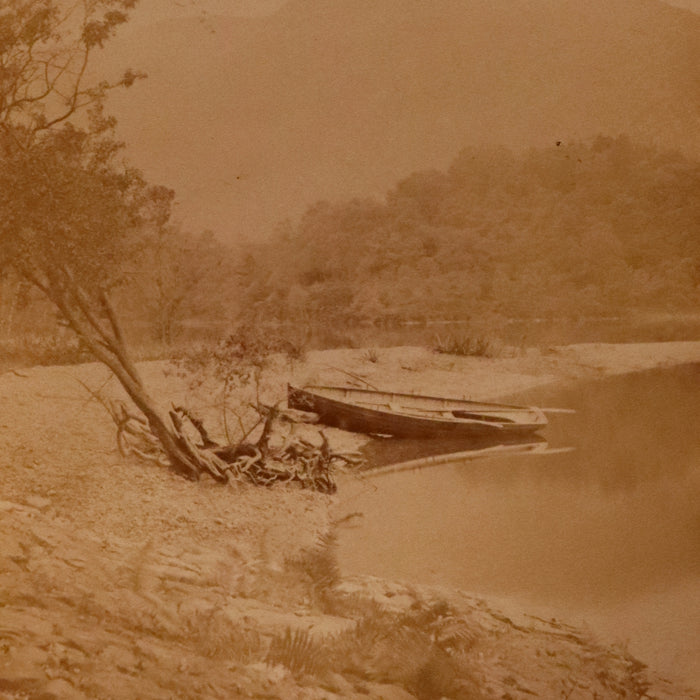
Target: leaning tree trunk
x=96, y=325
x=162, y=437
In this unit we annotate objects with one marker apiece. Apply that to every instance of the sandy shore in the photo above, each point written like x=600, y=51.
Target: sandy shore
x=420, y=370
x=124, y=581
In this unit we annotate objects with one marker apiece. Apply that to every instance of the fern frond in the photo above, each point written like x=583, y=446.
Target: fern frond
x=299, y=652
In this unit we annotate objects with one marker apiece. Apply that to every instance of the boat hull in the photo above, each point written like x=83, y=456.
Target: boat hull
x=338, y=407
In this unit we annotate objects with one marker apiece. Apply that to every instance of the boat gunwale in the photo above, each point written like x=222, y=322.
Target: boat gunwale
x=540, y=418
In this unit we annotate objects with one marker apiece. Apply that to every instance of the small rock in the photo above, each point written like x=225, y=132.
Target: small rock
x=338, y=684
x=38, y=502
x=62, y=690
x=267, y=673
x=400, y=602
x=7, y=506
x=383, y=691
x=12, y=549
x=23, y=662
x=66, y=656
x=118, y=657
x=195, y=607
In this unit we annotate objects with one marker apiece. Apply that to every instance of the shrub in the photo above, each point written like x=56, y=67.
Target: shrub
x=371, y=355
x=33, y=350
x=465, y=345
x=318, y=566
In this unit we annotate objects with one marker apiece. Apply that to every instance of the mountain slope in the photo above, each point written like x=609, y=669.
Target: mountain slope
x=251, y=120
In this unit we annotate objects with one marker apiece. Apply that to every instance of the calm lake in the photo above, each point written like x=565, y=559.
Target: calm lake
x=606, y=536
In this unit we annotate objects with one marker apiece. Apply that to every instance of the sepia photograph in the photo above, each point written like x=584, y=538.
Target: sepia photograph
x=349, y=349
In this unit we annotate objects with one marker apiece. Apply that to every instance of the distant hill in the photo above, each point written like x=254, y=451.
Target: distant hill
x=606, y=228
x=693, y=5
x=253, y=119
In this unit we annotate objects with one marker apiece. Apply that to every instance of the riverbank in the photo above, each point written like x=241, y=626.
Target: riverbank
x=421, y=370
x=120, y=580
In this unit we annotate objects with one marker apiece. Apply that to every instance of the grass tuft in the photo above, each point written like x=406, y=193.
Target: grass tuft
x=371, y=355
x=465, y=346
x=218, y=637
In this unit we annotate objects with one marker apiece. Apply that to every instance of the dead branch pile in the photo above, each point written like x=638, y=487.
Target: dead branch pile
x=296, y=461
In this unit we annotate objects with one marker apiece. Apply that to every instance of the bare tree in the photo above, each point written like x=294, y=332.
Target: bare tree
x=184, y=276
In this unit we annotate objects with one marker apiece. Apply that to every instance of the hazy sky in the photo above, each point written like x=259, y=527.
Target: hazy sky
x=693, y=5
x=247, y=147
x=149, y=10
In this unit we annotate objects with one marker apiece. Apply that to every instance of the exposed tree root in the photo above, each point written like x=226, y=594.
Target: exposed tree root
x=295, y=461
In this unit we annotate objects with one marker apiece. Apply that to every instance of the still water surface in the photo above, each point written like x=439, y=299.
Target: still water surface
x=607, y=535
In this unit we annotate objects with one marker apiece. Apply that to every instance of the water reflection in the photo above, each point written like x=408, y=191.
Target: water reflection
x=609, y=532
x=380, y=452
x=435, y=457
x=623, y=432
x=629, y=430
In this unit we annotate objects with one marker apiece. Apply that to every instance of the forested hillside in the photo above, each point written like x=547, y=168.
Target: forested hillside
x=341, y=98
x=596, y=228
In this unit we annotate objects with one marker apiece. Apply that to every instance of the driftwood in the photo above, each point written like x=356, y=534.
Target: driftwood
x=295, y=461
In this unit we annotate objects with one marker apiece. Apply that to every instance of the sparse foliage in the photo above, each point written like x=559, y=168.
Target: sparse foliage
x=45, y=51
x=319, y=566
x=298, y=651
x=182, y=277
x=238, y=362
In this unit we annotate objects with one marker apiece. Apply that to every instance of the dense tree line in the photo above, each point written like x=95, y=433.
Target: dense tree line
x=601, y=227
x=175, y=284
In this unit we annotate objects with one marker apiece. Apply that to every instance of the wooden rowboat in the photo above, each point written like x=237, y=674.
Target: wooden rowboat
x=414, y=416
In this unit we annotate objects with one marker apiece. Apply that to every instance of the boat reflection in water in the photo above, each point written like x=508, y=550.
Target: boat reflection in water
x=384, y=456
x=425, y=430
